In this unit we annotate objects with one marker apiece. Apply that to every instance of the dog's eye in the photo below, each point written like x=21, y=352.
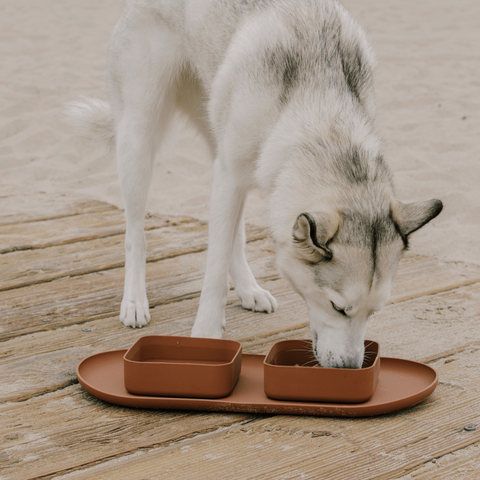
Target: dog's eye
x=338, y=309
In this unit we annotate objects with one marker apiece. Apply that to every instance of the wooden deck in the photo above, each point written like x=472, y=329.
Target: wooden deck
x=61, y=281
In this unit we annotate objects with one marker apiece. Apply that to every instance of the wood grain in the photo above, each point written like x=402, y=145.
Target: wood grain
x=74, y=428
x=170, y=239
x=463, y=463
x=73, y=228
x=21, y=207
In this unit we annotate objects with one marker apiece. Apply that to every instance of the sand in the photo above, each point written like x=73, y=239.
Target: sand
x=428, y=92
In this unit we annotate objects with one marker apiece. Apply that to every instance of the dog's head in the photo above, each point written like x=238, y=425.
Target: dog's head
x=343, y=265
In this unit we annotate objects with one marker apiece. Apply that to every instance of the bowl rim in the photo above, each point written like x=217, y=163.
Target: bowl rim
x=238, y=352
x=266, y=363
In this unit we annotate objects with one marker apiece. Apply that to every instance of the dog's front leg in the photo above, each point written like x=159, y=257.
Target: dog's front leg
x=226, y=207
x=134, y=159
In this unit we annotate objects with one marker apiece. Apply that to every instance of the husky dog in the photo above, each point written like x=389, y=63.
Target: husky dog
x=283, y=93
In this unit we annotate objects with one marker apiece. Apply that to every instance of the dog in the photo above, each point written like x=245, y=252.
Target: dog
x=283, y=93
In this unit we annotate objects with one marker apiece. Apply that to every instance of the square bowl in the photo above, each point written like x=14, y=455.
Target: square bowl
x=289, y=375
x=170, y=366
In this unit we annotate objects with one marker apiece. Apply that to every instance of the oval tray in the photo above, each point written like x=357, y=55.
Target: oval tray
x=401, y=384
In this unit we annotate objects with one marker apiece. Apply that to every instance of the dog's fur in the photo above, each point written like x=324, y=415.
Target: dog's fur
x=283, y=93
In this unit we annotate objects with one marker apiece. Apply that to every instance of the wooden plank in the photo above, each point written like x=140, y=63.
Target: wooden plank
x=34, y=364
x=23, y=207
x=69, y=301
x=72, y=428
x=73, y=228
x=284, y=447
x=28, y=267
x=460, y=464
x=429, y=276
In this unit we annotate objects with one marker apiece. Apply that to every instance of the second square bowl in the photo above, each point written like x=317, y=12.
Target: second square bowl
x=289, y=375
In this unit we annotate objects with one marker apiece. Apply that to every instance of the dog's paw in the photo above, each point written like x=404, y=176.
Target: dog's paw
x=257, y=299
x=134, y=313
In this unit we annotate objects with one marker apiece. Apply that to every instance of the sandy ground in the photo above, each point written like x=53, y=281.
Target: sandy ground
x=428, y=90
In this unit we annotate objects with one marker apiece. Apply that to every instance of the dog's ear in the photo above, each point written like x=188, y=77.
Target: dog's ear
x=312, y=232
x=412, y=216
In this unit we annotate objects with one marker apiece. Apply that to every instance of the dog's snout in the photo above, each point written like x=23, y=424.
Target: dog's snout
x=350, y=362
x=331, y=359
x=339, y=345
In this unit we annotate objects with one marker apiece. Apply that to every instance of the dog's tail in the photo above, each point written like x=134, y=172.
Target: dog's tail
x=92, y=118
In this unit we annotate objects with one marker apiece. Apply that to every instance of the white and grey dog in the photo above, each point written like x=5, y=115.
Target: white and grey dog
x=283, y=92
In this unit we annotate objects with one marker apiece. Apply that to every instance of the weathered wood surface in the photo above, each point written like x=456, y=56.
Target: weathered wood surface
x=71, y=278
x=20, y=207
x=75, y=300
x=460, y=464
x=70, y=229
x=170, y=238
x=272, y=447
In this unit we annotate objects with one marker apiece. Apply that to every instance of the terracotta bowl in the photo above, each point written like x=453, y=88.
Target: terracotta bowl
x=169, y=366
x=283, y=380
